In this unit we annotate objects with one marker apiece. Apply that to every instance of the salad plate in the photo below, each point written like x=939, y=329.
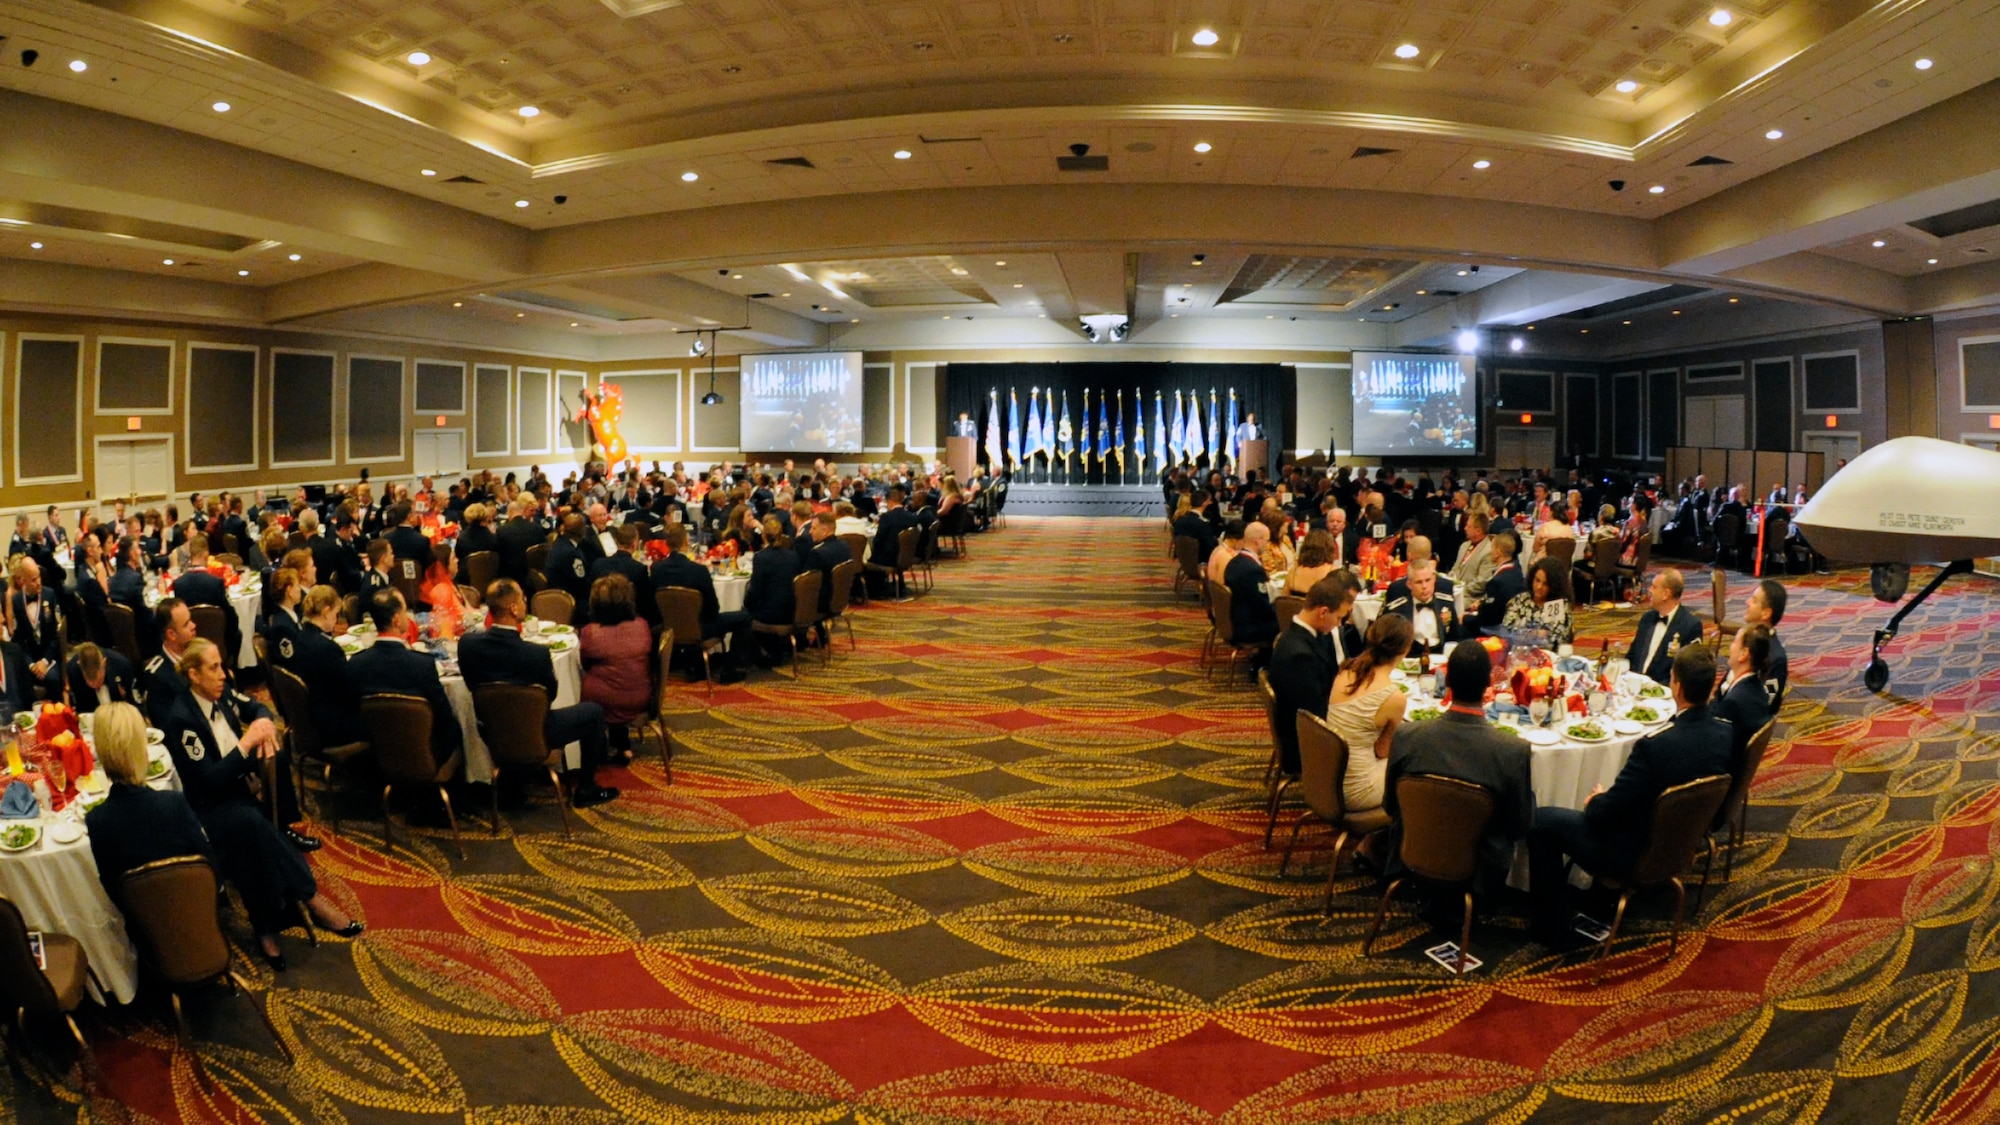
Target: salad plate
x=20, y=836
x=1652, y=691
x=156, y=768
x=1644, y=714
x=1422, y=713
x=155, y=736
x=1589, y=730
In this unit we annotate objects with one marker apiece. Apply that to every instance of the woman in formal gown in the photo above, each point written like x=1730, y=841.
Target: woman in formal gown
x=616, y=648
x=1365, y=708
x=1544, y=604
x=1314, y=563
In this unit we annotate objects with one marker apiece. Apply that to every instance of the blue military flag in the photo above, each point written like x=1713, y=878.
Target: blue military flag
x=996, y=454
x=1103, y=430
x=1032, y=443
x=1083, y=445
x=1013, y=429
x=1175, y=436
x=1192, y=440
x=1229, y=443
x=1214, y=430
x=1118, y=433
x=1049, y=428
x=1139, y=429
x=1159, y=433
x=1065, y=433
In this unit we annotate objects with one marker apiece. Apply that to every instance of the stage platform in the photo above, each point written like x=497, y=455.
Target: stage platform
x=1140, y=500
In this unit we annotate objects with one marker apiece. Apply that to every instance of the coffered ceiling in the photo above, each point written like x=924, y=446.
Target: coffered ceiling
x=808, y=165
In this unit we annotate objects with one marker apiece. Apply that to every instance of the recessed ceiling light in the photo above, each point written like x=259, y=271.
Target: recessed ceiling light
x=1516, y=344
x=1017, y=285
x=1923, y=64
x=458, y=304
x=959, y=271
x=529, y=111
x=78, y=66
x=428, y=172
x=1626, y=86
x=1423, y=292
x=902, y=154
x=1732, y=300
x=1585, y=331
x=520, y=203
x=1407, y=51
x=573, y=324
x=418, y=58
x=1461, y=273
x=1482, y=164
x=1720, y=17
x=1657, y=189
x=1927, y=261
x=1878, y=244
x=784, y=294
x=736, y=277
x=220, y=107
x=1206, y=37
x=690, y=177
x=1677, y=312
x=1627, y=323
x=1774, y=134
x=170, y=261
x=242, y=273
x=520, y=314
x=34, y=246
x=1202, y=146
x=293, y=257
x=1001, y=262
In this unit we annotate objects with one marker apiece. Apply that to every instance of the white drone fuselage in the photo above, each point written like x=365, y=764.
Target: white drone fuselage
x=1911, y=500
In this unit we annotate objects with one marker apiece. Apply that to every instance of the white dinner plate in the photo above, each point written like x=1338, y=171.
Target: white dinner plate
x=1628, y=726
x=155, y=736
x=1540, y=737
x=65, y=831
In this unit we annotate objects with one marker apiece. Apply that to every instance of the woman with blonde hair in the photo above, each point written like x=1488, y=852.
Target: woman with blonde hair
x=135, y=825
x=1365, y=709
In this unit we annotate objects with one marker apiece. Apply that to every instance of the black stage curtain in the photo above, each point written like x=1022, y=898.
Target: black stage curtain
x=1267, y=390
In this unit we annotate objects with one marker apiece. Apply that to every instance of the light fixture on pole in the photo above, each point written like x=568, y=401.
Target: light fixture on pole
x=704, y=344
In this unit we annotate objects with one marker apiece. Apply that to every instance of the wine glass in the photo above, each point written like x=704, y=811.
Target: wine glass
x=1538, y=712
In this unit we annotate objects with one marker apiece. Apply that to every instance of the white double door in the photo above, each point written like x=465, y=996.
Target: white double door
x=140, y=468
x=440, y=453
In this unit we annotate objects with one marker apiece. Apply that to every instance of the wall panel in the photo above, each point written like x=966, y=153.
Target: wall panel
x=572, y=436
x=652, y=419
x=222, y=412
x=303, y=393
x=715, y=429
x=531, y=410
x=135, y=376
x=48, y=402
x=492, y=410
x=377, y=410
x=440, y=387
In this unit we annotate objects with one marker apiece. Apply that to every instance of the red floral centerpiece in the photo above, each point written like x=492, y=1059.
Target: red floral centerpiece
x=657, y=549
x=723, y=551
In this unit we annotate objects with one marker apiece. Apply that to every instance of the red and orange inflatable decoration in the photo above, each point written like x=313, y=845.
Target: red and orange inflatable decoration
x=602, y=413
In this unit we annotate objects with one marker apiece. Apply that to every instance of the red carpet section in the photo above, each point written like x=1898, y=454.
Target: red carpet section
x=1004, y=864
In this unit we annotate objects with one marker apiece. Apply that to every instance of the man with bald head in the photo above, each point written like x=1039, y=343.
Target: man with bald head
x=598, y=542
x=1252, y=619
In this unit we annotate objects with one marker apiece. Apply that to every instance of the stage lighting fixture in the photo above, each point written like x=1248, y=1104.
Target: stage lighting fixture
x=1089, y=331
x=711, y=398
x=1468, y=341
x=699, y=347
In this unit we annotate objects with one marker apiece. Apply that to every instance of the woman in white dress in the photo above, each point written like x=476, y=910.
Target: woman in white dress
x=1365, y=708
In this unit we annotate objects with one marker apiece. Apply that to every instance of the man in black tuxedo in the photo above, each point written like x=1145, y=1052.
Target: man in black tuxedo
x=345, y=554
x=499, y=655
x=677, y=570
x=1664, y=630
x=1253, y=621
x=1426, y=600
x=1194, y=523
x=883, y=553
x=625, y=561
x=54, y=536
x=517, y=536
x=388, y=667
x=597, y=541
x=37, y=627
x=1501, y=586
x=128, y=588
x=1461, y=744
x=407, y=544
x=1767, y=607
x=98, y=676
x=1608, y=835
x=1304, y=661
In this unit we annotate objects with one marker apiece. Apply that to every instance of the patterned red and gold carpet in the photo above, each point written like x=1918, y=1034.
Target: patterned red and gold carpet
x=1004, y=864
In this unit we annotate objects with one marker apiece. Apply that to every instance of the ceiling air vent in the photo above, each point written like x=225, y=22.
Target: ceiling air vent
x=792, y=162
x=1366, y=151
x=1709, y=162
x=760, y=296
x=464, y=180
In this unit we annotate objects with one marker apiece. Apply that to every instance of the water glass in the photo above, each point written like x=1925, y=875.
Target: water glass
x=1538, y=711
x=1598, y=701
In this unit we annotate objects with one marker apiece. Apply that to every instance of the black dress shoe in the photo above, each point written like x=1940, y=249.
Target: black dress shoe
x=275, y=960
x=585, y=796
x=302, y=841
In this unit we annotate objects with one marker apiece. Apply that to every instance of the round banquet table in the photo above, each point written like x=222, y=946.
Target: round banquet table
x=729, y=591
x=55, y=886
x=245, y=599
x=478, y=759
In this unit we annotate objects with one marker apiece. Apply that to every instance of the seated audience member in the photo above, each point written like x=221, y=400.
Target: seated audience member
x=36, y=628
x=1608, y=835
x=1303, y=663
x=312, y=656
x=847, y=522
x=160, y=682
x=769, y=598
x=1742, y=698
x=390, y=667
x=1279, y=554
x=217, y=738
x=617, y=650
x=1502, y=584
x=1426, y=601
x=92, y=582
x=625, y=563
x=1664, y=630
x=1767, y=608
x=570, y=557
x=136, y=824
x=97, y=676
x=1315, y=562
x=889, y=526
x=1475, y=563
x=516, y=538
x=679, y=571
x=1548, y=531
x=286, y=592
x=1461, y=744
x=826, y=552
x=377, y=578
x=1365, y=709
x=1544, y=604
x=498, y=654
x=476, y=534
x=1194, y=523
x=1252, y=619
x=1227, y=547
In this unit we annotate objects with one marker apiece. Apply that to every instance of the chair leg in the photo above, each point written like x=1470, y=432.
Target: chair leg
x=1617, y=916
x=305, y=919
x=1333, y=870
x=493, y=788
x=707, y=672
x=186, y=1038
x=1285, y=860
x=1380, y=911
x=388, y=821
x=666, y=747
x=86, y=1059
x=262, y=1014
x=451, y=818
x=1271, y=822
x=1680, y=906
x=852, y=645
x=1465, y=935
x=562, y=801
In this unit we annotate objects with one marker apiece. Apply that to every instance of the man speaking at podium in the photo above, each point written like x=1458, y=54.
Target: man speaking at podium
x=1249, y=430
x=964, y=427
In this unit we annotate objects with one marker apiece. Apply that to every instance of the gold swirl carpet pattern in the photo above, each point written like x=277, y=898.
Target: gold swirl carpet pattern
x=1004, y=864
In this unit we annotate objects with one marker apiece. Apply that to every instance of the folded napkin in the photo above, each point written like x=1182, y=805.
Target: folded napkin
x=19, y=803
x=77, y=760
x=1495, y=710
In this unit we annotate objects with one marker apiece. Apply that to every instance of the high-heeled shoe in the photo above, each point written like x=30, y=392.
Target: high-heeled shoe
x=352, y=929
x=275, y=960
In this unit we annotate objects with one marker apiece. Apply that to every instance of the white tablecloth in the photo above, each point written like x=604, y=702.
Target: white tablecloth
x=1367, y=607
x=244, y=599
x=56, y=888
x=729, y=591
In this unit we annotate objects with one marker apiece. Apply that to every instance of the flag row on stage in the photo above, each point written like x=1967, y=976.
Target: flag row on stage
x=1014, y=437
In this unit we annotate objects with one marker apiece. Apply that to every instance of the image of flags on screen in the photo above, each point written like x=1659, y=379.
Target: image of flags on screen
x=1229, y=448
x=1159, y=433
x=1013, y=429
x=1193, y=442
x=1033, y=441
x=1065, y=433
x=1175, y=436
x=1118, y=433
x=994, y=455
x=1139, y=429
x=1049, y=428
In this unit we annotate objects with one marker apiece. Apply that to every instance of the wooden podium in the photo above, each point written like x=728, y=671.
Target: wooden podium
x=1254, y=454
x=961, y=455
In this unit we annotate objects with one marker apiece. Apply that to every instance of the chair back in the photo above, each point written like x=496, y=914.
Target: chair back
x=480, y=569
x=1728, y=529
x=538, y=557
x=857, y=544
x=399, y=732
x=510, y=719
x=1777, y=528
x=1745, y=775
x=23, y=984
x=1681, y=817
x=1443, y=819
x=1604, y=558
x=554, y=605
x=661, y=664
x=350, y=609
x=805, y=598
x=228, y=544
x=169, y=906
x=906, y=548
x=294, y=702
x=441, y=554
x=408, y=581
x=212, y=625
x=1322, y=767
x=1561, y=549
x=1718, y=592
x=843, y=586
x=124, y=630
x=680, y=612
x=1287, y=606
x=298, y=540
x=1218, y=611
x=1187, y=552
x=1270, y=695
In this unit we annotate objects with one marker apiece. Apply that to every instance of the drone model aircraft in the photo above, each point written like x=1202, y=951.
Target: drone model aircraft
x=1894, y=508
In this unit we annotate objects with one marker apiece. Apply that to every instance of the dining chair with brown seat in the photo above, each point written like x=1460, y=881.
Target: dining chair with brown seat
x=1634, y=576
x=1276, y=780
x=212, y=625
x=1287, y=607
x=805, y=613
x=656, y=707
x=408, y=581
x=844, y=576
x=302, y=735
x=479, y=570
x=1225, y=630
x=511, y=720
x=1322, y=771
x=54, y=988
x=538, y=557
x=1599, y=567
x=1718, y=595
x=1735, y=811
x=441, y=555
x=1187, y=563
x=227, y=544
x=1443, y=820
x=552, y=605
x=1679, y=827
x=170, y=907
x=123, y=626
x=400, y=735
x=1562, y=550
x=680, y=617
x=857, y=549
